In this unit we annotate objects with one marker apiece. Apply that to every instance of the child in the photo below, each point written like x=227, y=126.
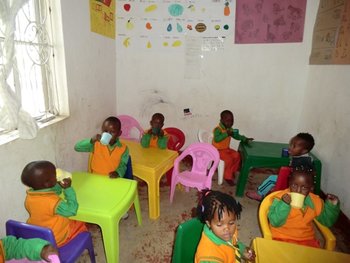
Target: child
x=155, y=136
x=45, y=206
x=222, y=138
x=108, y=159
x=291, y=224
x=32, y=249
x=219, y=212
x=299, y=149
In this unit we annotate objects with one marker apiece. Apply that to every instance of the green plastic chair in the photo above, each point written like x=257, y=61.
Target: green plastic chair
x=187, y=238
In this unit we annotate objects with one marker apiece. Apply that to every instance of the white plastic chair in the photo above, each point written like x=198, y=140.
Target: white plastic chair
x=205, y=136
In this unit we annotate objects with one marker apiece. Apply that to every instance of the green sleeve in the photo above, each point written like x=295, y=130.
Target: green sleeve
x=278, y=213
x=121, y=169
x=84, y=146
x=23, y=248
x=69, y=206
x=329, y=214
x=239, y=137
x=219, y=136
x=241, y=248
x=145, y=140
x=163, y=142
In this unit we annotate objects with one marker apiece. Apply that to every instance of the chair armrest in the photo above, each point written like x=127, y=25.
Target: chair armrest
x=328, y=236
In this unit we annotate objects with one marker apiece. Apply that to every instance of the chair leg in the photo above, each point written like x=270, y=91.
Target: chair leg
x=221, y=168
x=172, y=190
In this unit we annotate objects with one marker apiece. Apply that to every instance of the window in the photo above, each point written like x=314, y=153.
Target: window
x=27, y=64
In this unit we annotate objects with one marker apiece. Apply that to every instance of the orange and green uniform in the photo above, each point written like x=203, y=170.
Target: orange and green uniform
x=13, y=248
x=46, y=208
x=106, y=158
x=295, y=225
x=150, y=140
x=232, y=158
x=212, y=249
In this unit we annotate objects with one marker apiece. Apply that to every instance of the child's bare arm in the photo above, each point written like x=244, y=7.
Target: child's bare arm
x=249, y=254
x=333, y=199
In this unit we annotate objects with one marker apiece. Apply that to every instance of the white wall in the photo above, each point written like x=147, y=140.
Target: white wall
x=90, y=63
x=271, y=88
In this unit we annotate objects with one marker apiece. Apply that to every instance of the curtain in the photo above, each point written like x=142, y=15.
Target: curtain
x=12, y=116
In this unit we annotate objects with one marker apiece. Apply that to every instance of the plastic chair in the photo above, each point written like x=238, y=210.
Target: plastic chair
x=188, y=235
x=175, y=143
x=205, y=161
x=128, y=172
x=67, y=253
x=328, y=236
x=205, y=136
x=131, y=128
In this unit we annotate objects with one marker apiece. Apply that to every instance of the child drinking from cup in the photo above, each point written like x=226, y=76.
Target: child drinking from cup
x=293, y=210
x=109, y=155
x=155, y=136
x=221, y=140
x=219, y=242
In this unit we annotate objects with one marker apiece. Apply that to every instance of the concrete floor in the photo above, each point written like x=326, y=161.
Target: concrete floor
x=153, y=241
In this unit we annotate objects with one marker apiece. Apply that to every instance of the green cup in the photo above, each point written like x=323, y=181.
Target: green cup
x=235, y=132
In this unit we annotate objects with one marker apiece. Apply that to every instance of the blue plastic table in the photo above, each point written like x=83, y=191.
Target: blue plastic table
x=267, y=154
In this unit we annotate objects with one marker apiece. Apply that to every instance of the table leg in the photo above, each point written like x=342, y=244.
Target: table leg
x=137, y=208
x=153, y=199
x=243, y=177
x=110, y=236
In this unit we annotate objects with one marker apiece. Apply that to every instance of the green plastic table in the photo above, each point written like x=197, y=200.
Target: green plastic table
x=103, y=201
x=257, y=154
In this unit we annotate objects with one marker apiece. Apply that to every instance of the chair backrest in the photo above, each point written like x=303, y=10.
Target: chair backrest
x=176, y=138
x=131, y=128
x=128, y=172
x=188, y=235
x=328, y=236
x=205, y=136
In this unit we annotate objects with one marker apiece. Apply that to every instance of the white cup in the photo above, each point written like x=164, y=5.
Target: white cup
x=106, y=138
x=61, y=174
x=297, y=200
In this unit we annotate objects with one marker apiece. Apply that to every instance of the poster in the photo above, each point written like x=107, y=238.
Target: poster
x=102, y=17
x=269, y=21
x=331, y=37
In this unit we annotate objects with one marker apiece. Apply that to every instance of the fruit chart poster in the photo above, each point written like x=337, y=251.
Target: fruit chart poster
x=166, y=24
x=102, y=17
x=269, y=21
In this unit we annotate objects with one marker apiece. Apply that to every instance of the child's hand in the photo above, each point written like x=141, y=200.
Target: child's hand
x=47, y=251
x=229, y=132
x=333, y=199
x=113, y=175
x=286, y=198
x=96, y=138
x=249, y=254
x=65, y=183
x=161, y=133
x=248, y=140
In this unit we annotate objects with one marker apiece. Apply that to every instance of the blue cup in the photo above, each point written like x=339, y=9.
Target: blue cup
x=105, y=138
x=285, y=152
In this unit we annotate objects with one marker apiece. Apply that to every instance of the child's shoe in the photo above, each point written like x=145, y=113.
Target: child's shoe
x=230, y=182
x=253, y=195
x=125, y=216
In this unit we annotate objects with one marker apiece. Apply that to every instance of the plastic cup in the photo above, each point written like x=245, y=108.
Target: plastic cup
x=297, y=200
x=235, y=132
x=105, y=138
x=285, y=152
x=61, y=174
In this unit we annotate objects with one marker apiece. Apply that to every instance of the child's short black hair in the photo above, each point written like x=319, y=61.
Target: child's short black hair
x=212, y=202
x=158, y=116
x=224, y=113
x=113, y=120
x=309, y=141
x=33, y=172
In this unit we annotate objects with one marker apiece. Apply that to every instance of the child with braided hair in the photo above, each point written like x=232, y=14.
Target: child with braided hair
x=219, y=212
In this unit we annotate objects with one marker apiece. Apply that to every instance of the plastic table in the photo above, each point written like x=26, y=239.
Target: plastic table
x=267, y=154
x=272, y=251
x=150, y=164
x=103, y=201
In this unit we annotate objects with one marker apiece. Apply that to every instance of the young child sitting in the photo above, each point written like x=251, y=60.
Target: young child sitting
x=34, y=249
x=45, y=206
x=221, y=140
x=108, y=158
x=155, y=136
x=299, y=148
x=219, y=242
x=292, y=224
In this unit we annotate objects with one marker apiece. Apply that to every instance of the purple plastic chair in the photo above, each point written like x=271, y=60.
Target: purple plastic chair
x=131, y=128
x=68, y=253
x=205, y=160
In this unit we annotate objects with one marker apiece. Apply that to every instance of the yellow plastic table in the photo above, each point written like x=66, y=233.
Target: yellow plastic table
x=272, y=251
x=103, y=201
x=150, y=164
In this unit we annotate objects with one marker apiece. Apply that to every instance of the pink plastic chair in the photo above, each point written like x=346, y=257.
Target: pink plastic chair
x=205, y=159
x=131, y=128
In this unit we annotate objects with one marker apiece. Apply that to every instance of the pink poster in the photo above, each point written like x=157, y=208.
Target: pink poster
x=269, y=21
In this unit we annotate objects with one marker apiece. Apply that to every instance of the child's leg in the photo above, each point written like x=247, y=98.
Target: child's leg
x=232, y=161
x=267, y=185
